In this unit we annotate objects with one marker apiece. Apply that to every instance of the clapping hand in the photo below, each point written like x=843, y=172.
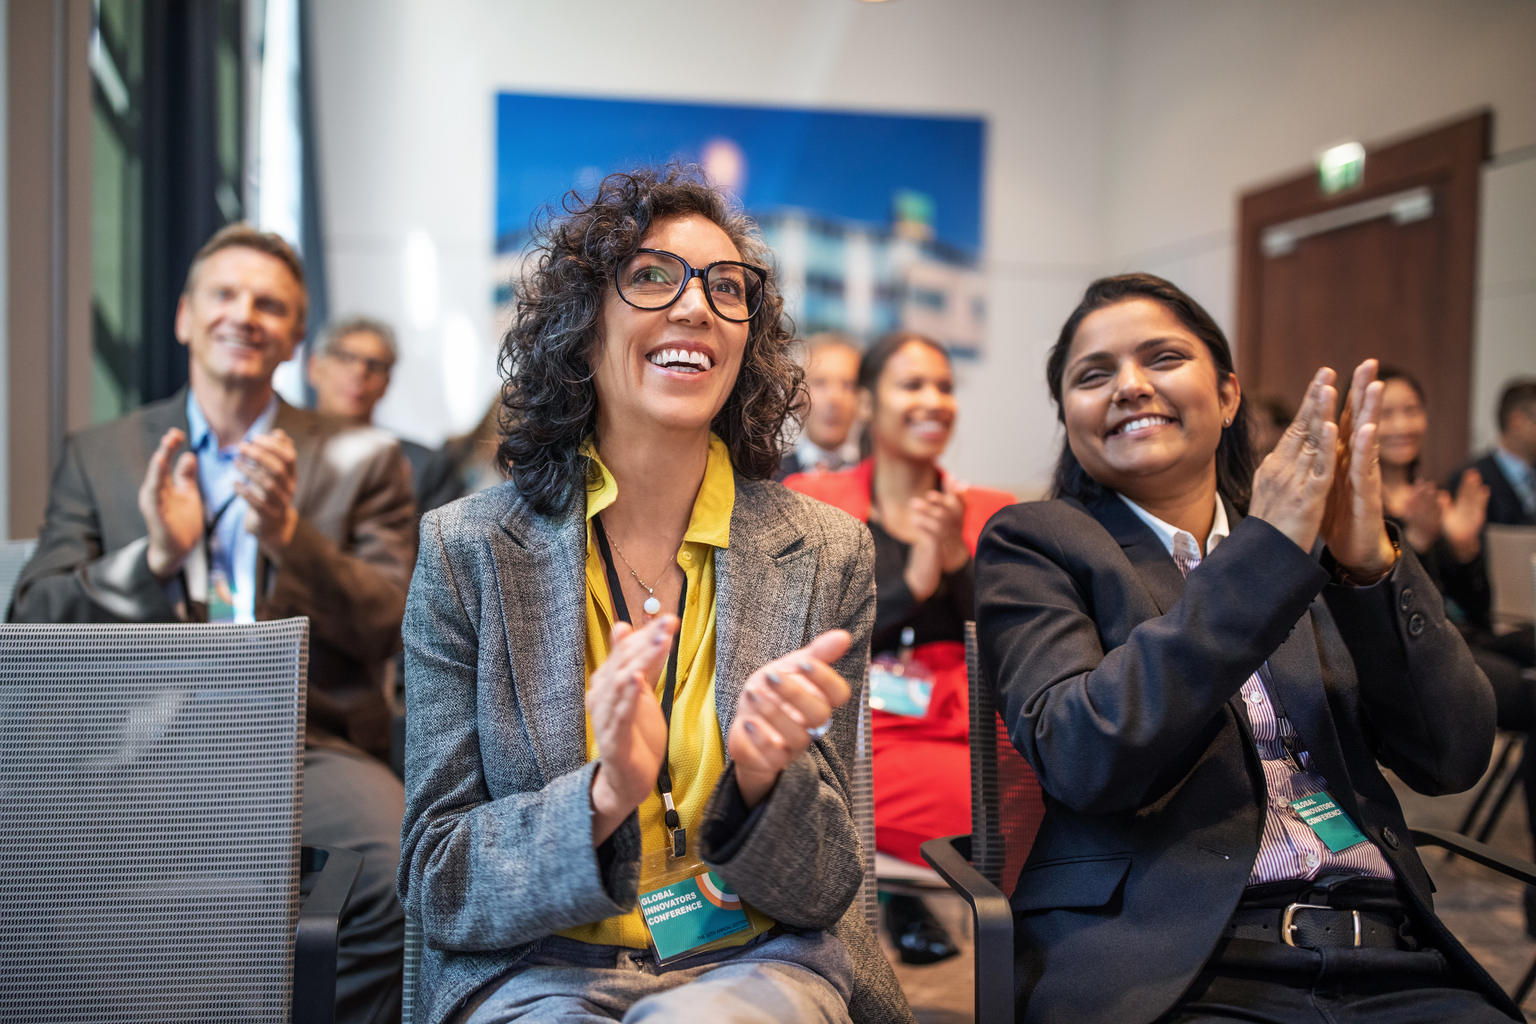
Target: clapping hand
x=172, y=506
x=780, y=706
x=627, y=721
x=1291, y=486
x=1325, y=477
x=1422, y=515
x=1353, y=525
x=1462, y=518
x=939, y=548
x=269, y=465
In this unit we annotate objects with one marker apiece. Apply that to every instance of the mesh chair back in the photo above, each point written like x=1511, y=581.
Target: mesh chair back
x=14, y=555
x=863, y=817
x=1007, y=805
x=149, y=830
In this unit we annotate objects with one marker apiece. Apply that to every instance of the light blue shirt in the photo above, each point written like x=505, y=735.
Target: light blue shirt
x=232, y=549
x=1520, y=475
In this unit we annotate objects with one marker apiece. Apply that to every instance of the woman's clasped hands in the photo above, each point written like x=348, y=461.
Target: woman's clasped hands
x=937, y=519
x=1325, y=477
x=783, y=707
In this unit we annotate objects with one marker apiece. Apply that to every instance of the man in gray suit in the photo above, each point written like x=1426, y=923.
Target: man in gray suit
x=223, y=503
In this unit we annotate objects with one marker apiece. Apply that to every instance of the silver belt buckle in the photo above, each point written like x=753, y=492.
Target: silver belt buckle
x=1288, y=923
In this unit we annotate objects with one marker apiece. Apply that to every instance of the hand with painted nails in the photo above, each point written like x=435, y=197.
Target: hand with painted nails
x=269, y=467
x=172, y=506
x=780, y=707
x=627, y=721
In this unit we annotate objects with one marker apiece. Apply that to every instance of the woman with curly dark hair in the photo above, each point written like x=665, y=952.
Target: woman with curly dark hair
x=588, y=643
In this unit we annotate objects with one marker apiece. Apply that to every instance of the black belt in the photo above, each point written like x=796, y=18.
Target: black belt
x=1338, y=911
x=1316, y=927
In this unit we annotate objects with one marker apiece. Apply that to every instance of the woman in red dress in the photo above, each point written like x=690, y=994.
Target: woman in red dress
x=925, y=527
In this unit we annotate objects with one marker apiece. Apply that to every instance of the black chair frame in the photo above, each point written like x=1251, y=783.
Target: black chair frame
x=335, y=872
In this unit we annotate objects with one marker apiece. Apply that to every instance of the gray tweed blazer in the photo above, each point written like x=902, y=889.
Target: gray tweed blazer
x=496, y=848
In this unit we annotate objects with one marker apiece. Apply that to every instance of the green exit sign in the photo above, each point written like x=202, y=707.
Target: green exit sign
x=1340, y=168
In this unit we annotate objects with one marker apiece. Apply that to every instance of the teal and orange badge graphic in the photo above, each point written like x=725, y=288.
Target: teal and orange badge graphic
x=691, y=913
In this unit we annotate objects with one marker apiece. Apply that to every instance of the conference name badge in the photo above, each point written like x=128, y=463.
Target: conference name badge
x=898, y=693
x=690, y=914
x=1325, y=817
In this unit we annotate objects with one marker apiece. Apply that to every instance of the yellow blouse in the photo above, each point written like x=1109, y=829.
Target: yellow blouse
x=696, y=749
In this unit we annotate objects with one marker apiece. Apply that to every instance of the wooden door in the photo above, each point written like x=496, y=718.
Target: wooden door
x=1386, y=269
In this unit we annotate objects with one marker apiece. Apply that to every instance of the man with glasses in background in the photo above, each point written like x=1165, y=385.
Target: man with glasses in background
x=350, y=370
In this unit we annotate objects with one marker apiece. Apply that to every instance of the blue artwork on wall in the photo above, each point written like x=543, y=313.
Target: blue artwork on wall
x=875, y=219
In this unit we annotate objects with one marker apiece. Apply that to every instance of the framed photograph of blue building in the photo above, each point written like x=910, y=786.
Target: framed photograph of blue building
x=875, y=219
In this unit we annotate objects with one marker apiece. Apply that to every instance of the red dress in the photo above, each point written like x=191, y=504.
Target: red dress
x=922, y=766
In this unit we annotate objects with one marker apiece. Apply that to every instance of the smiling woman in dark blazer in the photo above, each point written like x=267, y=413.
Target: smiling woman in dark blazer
x=1183, y=649
x=648, y=387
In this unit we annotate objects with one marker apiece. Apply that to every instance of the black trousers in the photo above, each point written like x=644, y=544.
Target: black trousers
x=1271, y=983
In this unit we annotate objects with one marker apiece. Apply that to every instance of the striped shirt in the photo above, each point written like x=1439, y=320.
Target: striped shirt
x=1289, y=849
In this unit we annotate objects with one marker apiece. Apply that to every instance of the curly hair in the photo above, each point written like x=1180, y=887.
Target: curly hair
x=1234, y=452
x=548, y=356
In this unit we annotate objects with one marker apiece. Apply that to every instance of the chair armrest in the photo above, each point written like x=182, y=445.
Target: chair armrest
x=1480, y=853
x=315, y=939
x=951, y=858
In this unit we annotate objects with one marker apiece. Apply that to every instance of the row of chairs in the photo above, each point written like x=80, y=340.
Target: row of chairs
x=149, y=828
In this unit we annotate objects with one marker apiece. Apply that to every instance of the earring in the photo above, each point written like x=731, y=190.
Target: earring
x=1228, y=422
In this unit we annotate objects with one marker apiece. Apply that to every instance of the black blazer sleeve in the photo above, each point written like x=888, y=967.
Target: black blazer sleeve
x=1100, y=717
x=1429, y=705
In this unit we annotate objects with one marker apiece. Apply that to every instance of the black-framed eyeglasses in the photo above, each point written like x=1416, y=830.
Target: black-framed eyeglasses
x=654, y=279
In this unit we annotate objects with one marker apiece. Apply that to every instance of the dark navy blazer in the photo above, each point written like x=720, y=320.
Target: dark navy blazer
x=1118, y=679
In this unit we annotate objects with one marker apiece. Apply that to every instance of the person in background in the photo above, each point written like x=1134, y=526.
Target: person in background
x=831, y=381
x=1270, y=415
x=1510, y=469
x=1205, y=666
x=564, y=769
x=925, y=525
x=224, y=503
x=1445, y=530
x=350, y=368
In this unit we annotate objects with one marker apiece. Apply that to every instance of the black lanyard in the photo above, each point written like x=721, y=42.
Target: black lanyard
x=678, y=834
x=213, y=524
x=1291, y=744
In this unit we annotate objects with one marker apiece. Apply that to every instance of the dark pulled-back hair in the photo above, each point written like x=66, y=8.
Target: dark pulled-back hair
x=1234, y=453
x=872, y=362
x=549, y=355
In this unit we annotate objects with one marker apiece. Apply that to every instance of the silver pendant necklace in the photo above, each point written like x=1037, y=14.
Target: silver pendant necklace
x=652, y=605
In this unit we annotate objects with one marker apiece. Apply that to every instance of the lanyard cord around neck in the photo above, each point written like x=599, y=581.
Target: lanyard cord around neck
x=621, y=611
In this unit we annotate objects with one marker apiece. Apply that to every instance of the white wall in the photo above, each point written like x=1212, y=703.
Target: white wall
x=1506, y=297
x=1120, y=133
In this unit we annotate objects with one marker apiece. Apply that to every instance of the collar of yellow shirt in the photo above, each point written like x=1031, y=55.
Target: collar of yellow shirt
x=710, y=522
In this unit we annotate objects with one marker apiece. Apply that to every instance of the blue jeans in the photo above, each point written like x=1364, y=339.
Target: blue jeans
x=777, y=979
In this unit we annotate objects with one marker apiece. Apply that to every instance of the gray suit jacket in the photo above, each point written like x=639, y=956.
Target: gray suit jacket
x=347, y=567
x=497, y=846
